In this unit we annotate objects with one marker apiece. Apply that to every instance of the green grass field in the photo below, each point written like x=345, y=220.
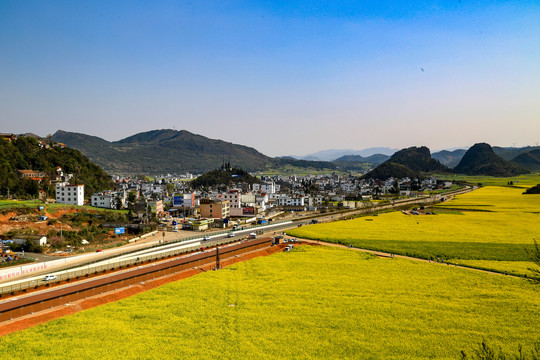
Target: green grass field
x=311, y=303
x=493, y=223
x=9, y=204
x=53, y=207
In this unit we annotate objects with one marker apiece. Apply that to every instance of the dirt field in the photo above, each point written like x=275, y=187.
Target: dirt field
x=40, y=226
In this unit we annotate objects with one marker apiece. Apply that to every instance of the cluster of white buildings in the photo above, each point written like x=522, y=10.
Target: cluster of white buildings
x=277, y=192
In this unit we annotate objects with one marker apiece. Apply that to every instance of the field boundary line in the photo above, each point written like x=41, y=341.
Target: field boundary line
x=393, y=255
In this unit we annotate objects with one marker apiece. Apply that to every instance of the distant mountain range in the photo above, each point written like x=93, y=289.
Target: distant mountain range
x=530, y=160
x=336, y=154
x=480, y=159
x=171, y=151
x=373, y=159
x=449, y=158
x=517, y=155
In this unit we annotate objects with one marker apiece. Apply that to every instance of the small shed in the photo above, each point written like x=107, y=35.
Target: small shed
x=38, y=240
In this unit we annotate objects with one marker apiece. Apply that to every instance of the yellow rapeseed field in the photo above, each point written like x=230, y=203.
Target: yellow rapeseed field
x=491, y=223
x=311, y=303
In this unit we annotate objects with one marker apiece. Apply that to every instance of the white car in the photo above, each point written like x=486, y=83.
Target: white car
x=50, y=277
x=206, y=238
x=231, y=234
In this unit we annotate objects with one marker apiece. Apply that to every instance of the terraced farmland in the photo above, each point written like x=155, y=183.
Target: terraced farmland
x=311, y=303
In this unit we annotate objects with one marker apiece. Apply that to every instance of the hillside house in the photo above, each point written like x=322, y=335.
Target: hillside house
x=69, y=194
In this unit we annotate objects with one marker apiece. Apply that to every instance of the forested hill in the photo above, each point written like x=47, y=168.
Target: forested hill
x=409, y=162
x=418, y=159
x=171, y=151
x=26, y=153
x=480, y=159
x=227, y=176
x=163, y=151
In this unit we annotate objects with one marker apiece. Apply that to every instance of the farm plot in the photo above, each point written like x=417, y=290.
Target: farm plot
x=491, y=223
x=311, y=303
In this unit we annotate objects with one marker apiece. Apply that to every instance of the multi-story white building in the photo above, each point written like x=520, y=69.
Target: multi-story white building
x=285, y=200
x=108, y=199
x=69, y=194
x=267, y=187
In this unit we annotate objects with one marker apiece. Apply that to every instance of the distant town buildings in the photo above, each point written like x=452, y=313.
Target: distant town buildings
x=215, y=209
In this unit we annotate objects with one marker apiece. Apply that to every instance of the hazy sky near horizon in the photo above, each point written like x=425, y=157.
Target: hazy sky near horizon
x=285, y=77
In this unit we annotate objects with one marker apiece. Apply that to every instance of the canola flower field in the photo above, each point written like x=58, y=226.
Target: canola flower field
x=311, y=303
x=492, y=224
x=526, y=180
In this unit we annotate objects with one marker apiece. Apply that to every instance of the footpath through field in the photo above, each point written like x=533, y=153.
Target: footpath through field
x=391, y=255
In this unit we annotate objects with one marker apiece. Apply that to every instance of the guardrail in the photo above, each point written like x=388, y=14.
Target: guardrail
x=24, y=305
x=274, y=225
x=67, y=275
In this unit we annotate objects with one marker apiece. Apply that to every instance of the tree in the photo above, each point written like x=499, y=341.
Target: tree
x=170, y=188
x=118, y=202
x=534, y=254
x=131, y=198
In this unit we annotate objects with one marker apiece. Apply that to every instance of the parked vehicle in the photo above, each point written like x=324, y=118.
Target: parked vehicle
x=50, y=278
x=206, y=238
x=99, y=250
x=288, y=247
x=231, y=234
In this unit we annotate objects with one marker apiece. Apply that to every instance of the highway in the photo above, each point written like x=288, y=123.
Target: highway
x=156, y=248
x=129, y=255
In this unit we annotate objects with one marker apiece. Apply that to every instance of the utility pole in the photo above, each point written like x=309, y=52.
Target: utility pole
x=217, y=257
x=61, y=225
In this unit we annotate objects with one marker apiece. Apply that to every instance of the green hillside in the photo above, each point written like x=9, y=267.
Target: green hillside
x=409, y=162
x=418, y=159
x=480, y=159
x=530, y=160
x=162, y=151
x=26, y=154
x=389, y=169
x=171, y=151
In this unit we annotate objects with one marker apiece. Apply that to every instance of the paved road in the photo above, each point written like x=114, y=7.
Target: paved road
x=161, y=238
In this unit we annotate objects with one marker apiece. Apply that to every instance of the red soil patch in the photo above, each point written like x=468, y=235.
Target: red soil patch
x=7, y=216
x=28, y=321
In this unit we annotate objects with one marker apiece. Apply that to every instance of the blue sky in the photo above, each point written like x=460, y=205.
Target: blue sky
x=289, y=77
